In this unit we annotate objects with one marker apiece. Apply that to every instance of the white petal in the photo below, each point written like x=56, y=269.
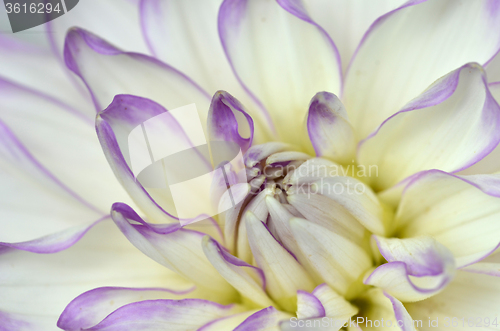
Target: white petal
x=175, y=248
x=450, y=126
x=491, y=162
x=473, y=297
x=184, y=34
x=284, y=275
x=335, y=305
x=339, y=261
x=308, y=306
x=347, y=21
x=405, y=50
x=36, y=67
x=459, y=212
x=63, y=141
x=38, y=287
x=281, y=57
x=329, y=214
x=35, y=203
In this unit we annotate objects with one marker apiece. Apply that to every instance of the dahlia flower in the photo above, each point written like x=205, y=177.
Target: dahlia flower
x=366, y=198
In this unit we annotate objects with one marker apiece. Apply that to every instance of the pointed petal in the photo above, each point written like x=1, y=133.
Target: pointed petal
x=108, y=71
x=284, y=275
x=245, y=278
x=459, y=212
x=347, y=21
x=339, y=261
x=452, y=125
x=402, y=314
x=282, y=72
x=335, y=305
x=418, y=268
x=266, y=320
x=330, y=131
x=175, y=248
x=190, y=42
x=421, y=40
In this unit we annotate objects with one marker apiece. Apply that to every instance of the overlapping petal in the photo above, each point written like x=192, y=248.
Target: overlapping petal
x=459, y=212
x=36, y=288
x=284, y=275
x=450, y=126
x=173, y=247
x=417, y=268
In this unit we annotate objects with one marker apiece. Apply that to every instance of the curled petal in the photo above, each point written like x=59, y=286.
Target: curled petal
x=450, y=126
x=459, y=212
x=330, y=131
x=423, y=40
x=418, y=268
x=228, y=121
